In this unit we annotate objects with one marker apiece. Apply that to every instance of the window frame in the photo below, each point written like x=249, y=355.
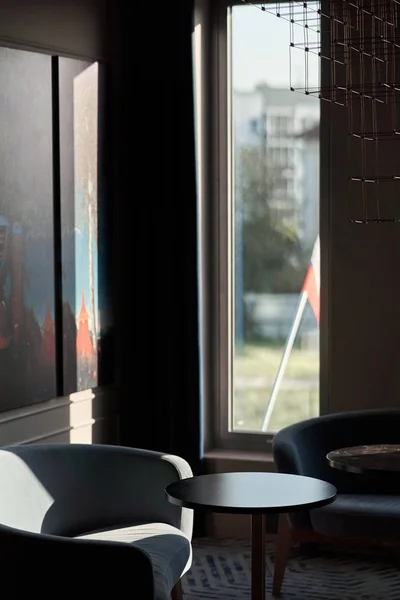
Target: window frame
x=216, y=235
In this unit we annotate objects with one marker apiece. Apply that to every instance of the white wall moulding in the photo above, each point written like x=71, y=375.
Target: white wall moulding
x=102, y=431
x=90, y=416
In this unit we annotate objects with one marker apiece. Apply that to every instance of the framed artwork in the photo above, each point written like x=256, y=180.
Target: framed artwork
x=86, y=310
x=27, y=319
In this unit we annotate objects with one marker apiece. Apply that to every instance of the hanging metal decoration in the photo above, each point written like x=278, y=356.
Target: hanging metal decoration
x=360, y=45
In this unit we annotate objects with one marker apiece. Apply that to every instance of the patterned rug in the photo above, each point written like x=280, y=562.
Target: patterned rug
x=221, y=571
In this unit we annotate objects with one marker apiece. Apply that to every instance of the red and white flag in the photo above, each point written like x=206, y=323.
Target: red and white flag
x=312, y=282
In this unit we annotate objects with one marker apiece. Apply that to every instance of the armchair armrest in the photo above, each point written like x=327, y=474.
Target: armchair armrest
x=169, y=468
x=49, y=565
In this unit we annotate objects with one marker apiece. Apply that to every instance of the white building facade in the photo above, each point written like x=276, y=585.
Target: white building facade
x=279, y=122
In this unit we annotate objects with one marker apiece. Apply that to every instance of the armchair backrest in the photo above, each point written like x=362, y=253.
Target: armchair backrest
x=70, y=489
x=302, y=448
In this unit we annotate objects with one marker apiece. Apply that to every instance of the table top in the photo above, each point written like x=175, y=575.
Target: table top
x=250, y=493
x=363, y=459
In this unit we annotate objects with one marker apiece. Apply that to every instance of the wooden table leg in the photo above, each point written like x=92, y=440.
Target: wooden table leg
x=258, y=539
x=283, y=546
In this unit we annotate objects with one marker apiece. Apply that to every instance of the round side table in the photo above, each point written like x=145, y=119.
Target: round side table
x=365, y=459
x=256, y=494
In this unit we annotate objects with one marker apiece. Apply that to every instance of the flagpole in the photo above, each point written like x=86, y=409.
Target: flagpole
x=285, y=357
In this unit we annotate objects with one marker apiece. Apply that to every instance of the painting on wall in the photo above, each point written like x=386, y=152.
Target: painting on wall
x=87, y=328
x=27, y=336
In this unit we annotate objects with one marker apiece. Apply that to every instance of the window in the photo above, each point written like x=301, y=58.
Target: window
x=266, y=190
x=271, y=254
x=281, y=125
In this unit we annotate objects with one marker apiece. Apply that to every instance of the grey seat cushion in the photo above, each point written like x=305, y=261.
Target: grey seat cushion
x=366, y=516
x=169, y=549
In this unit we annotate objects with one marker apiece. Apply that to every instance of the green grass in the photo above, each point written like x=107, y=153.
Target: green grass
x=255, y=370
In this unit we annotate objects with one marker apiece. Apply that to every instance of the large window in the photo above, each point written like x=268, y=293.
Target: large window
x=266, y=258
x=275, y=208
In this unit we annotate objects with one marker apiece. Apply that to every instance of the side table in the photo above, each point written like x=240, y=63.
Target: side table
x=366, y=459
x=257, y=494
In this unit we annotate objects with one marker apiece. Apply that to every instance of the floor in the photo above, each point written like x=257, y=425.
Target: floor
x=221, y=571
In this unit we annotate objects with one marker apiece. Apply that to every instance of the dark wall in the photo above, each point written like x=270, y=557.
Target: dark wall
x=360, y=285
x=77, y=27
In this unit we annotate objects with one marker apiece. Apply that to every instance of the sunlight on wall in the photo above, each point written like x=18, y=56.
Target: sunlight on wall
x=81, y=418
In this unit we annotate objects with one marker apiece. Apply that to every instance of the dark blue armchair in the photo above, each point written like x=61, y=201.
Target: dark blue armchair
x=92, y=520
x=367, y=506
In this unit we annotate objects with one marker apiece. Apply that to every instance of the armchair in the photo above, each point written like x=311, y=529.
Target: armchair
x=367, y=507
x=92, y=518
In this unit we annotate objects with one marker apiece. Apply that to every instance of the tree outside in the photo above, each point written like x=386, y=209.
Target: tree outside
x=272, y=257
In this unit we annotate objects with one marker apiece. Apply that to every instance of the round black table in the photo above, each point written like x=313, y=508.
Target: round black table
x=364, y=459
x=257, y=494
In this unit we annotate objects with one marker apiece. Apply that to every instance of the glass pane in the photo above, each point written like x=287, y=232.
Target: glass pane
x=276, y=227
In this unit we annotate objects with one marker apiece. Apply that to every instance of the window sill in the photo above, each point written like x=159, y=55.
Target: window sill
x=238, y=455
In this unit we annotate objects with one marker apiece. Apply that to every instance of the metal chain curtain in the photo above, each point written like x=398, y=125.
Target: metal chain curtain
x=364, y=42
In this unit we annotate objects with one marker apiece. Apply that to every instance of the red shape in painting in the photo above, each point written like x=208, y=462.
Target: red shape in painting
x=84, y=345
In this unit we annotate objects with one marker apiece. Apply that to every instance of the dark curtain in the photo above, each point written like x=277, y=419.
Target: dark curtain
x=155, y=202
